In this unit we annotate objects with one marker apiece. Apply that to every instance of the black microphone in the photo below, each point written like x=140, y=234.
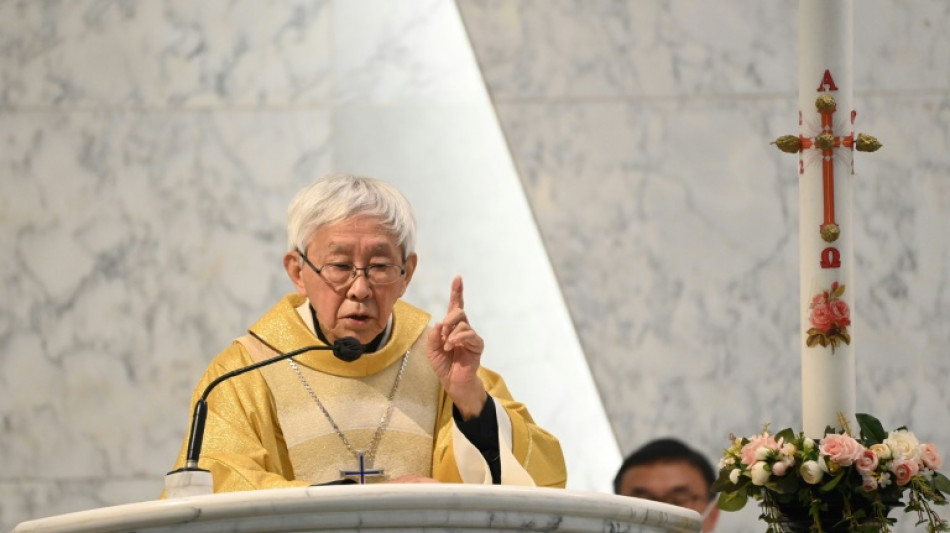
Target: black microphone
x=347, y=348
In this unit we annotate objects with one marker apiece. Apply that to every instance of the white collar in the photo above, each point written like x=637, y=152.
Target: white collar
x=304, y=311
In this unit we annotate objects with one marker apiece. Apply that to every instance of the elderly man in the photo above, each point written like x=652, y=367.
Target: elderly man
x=417, y=406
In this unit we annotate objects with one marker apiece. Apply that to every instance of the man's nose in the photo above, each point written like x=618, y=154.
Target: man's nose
x=360, y=287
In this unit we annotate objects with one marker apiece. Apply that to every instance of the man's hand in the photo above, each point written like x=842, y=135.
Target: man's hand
x=455, y=352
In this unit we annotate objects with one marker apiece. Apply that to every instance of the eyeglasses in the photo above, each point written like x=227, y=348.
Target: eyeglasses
x=680, y=497
x=342, y=274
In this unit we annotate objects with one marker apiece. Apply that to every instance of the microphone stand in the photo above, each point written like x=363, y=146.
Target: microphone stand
x=191, y=480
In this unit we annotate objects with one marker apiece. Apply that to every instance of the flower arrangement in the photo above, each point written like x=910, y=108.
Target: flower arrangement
x=839, y=482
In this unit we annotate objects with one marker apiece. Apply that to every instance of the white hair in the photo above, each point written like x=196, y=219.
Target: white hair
x=339, y=196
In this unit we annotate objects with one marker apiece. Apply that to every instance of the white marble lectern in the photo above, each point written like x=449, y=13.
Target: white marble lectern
x=384, y=507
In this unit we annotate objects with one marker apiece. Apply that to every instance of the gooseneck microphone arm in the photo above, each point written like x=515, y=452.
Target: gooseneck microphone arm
x=347, y=348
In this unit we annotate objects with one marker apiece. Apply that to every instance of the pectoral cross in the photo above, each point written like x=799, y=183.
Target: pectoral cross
x=363, y=472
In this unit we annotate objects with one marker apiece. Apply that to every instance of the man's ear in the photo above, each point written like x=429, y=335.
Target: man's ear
x=295, y=271
x=411, y=263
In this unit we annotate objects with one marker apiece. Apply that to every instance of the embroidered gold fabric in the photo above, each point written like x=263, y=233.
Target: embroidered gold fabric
x=264, y=431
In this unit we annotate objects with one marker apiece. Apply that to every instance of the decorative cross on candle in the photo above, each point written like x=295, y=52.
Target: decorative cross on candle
x=827, y=141
x=363, y=472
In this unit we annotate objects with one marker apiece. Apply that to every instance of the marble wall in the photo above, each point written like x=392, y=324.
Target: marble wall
x=148, y=153
x=149, y=149
x=641, y=133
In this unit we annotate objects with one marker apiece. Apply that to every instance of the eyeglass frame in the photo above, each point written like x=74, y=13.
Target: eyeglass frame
x=354, y=271
x=679, y=496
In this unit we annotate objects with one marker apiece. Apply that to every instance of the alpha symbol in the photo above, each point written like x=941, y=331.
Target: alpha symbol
x=828, y=81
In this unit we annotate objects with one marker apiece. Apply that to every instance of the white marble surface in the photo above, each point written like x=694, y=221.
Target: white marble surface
x=148, y=150
x=437, y=138
x=641, y=132
x=166, y=53
x=382, y=507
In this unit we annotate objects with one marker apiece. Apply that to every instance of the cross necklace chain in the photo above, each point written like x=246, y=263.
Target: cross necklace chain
x=362, y=457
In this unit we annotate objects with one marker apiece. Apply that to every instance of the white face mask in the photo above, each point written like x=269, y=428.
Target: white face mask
x=709, y=508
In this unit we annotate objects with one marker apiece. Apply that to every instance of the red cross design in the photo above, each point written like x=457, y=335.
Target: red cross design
x=827, y=142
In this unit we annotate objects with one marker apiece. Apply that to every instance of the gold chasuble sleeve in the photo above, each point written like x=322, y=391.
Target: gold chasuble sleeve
x=536, y=450
x=246, y=448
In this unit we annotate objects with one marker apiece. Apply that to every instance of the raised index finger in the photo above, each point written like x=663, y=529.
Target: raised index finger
x=456, y=301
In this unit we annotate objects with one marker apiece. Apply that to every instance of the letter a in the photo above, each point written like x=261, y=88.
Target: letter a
x=827, y=80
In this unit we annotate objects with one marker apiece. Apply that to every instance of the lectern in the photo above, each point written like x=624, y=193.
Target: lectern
x=383, y=507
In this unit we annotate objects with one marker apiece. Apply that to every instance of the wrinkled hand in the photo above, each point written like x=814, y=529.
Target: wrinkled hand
x=455, y=352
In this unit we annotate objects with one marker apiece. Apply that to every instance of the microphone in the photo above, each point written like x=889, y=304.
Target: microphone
x=192, y=480
x=348, y=349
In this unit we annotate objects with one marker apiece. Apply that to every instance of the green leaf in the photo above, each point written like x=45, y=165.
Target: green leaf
x=845, y=336
x=786, y=434
x=838, y=293
x=786, y=484
x=733, y=501
x=941, y=482
x=834, y=481
x=722, y=482
x=871, y=429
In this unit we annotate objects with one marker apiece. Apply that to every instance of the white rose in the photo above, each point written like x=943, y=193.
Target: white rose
x=808, y=444
x=762, y=453
x=903, y=445
x=760, y=473
x=811, y=472
x=882, y=452
x=734, y=476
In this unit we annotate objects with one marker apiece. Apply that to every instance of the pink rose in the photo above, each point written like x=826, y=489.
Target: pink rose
x=751, y=449
x=869, y=483
x=930, y=456
x=843, y=450
x=903, y=470
x=820, y=299
x=821, y=317
x=840, y=314
x=779, y=468
x=866, y=462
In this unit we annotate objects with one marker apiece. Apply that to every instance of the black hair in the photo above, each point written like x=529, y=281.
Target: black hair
x=667, y=450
